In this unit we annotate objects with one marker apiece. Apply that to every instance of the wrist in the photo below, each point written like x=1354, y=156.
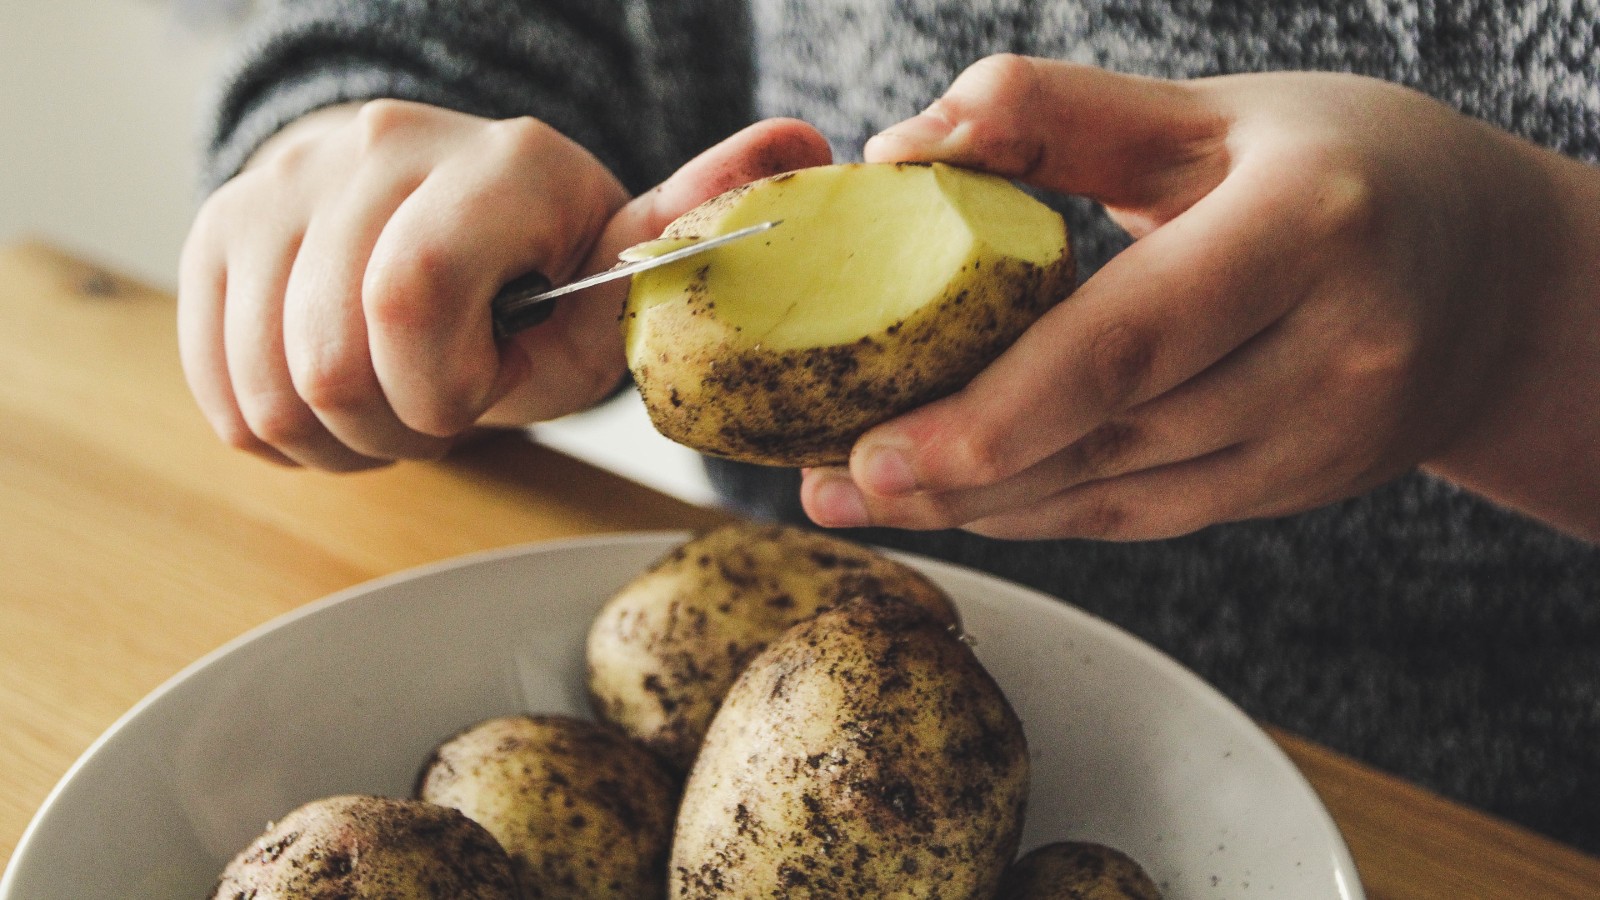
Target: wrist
x=1533, y=443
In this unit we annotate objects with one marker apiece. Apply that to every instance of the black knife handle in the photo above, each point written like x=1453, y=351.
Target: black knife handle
x=511, y=313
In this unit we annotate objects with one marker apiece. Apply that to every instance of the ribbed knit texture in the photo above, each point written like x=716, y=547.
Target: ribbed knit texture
x=1416, y=628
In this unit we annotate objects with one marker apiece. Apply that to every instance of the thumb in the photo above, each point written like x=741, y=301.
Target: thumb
x=770, y=147
x=577, y=357
x=1142, y=146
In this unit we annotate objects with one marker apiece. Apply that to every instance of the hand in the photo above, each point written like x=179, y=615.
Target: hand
x=1317, y=301
x=334, y=296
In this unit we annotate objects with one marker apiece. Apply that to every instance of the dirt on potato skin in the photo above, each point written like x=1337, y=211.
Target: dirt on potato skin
x=1077, y=870
x=913, y=785
x=665, y=649
x=370, y=848
x=807, y=407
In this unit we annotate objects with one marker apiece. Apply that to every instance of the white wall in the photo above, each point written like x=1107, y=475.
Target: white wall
x=99, y=122
x=101, y=103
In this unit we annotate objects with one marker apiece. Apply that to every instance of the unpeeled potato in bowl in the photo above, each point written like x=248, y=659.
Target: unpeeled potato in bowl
x=582, y=810
x=884, y=287
x=865, y=753
x=665, y=649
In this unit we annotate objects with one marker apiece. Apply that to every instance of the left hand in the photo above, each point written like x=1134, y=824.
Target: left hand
x=1316, y=302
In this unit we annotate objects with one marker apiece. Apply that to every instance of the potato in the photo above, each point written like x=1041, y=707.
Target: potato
x=370, y=848
x=865, y=753
x=582, y=811
x=886, y=286
x=662, y=653
x=1076, y=870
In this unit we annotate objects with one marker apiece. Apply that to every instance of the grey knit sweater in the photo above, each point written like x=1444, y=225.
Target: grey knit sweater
x=1416, y=628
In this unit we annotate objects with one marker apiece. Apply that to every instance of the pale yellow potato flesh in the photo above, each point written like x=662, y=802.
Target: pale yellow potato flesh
x=865, y=753
x=885, y=287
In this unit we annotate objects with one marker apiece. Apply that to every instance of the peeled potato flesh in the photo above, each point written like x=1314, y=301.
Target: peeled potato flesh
x=885, y=287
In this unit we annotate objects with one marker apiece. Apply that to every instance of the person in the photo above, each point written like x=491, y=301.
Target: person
x=1319, y=420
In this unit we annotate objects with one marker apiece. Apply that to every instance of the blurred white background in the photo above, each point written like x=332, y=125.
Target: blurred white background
x=101, y=105
x=100, y=101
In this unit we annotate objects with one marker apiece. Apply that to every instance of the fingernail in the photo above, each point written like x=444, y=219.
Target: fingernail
x=839, y=504
x=885, y=471
x=923, y=131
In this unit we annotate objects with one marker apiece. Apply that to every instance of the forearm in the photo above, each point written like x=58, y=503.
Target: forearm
x=1535, y=444
x=595, y=72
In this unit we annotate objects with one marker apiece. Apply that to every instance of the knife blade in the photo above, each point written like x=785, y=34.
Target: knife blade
x=524, y=301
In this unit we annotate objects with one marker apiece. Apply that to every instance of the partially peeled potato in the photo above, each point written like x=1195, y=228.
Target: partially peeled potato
x=885, y=287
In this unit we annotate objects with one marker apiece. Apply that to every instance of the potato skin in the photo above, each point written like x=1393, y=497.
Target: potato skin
x=807, y=407
x=370, y=848
x=866, y=753
x=1077, y=870
x=581, y=810
x=708, y=387
x=662, y=653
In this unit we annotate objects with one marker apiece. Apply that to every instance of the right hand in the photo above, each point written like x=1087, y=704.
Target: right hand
x=334, y=296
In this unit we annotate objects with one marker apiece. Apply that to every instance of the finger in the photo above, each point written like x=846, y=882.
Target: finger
x=202, y=288
x=1152, y=504
x=1142, y=145
x=1281, y=450
x=1165, y=309
x=258, y=274
x=523, y=198
x=1221, y=408
x=1144, y=439
x=831, y=499
x=324, y=325
x=1305, y=465
x=564, y=357
x=770, y=147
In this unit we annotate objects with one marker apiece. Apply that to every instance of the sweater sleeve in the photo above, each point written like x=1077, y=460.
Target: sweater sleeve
x=639, y=83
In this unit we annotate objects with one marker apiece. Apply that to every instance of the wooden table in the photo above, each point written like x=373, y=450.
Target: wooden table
x=132, y=542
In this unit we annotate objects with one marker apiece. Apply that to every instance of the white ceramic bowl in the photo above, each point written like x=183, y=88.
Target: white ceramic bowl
x=350, y=693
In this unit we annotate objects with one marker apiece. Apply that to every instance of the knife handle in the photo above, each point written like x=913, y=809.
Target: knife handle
x=509, y=311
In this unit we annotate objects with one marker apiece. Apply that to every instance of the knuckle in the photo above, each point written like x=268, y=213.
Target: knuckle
x=1099, y=519
x=991, y=102
x=977, y=458
x=1001, y=75
x=1347, y=206
x=522, y=137
x=228, y=204
x=1374, y=374
x=1340, y=199
x=1114, y=520
x=1106, y=450
x=452, y=399
x=444, y=414
x=408, y=295
x=932, y=511
x=382, y=121
x=280, y=424
x=332, y=389
x=236, y=435
x=1122, y=360
x=284, y=164
x=213, y=210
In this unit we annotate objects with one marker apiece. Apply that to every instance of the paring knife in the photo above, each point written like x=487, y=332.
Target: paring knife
x=523, y=302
